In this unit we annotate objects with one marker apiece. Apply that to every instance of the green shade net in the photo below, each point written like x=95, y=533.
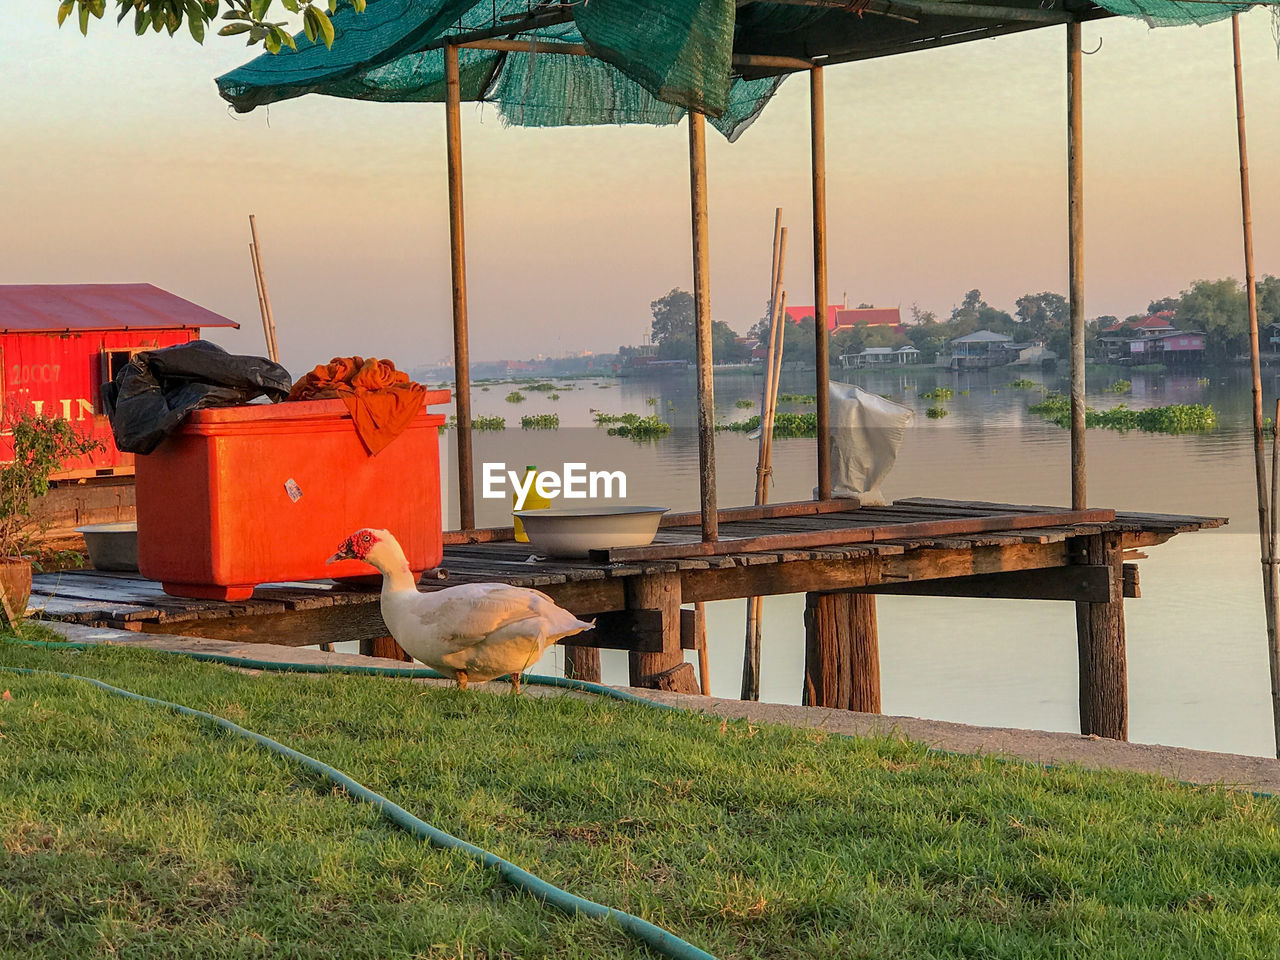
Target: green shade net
x=651, y=59
x=1173, y=13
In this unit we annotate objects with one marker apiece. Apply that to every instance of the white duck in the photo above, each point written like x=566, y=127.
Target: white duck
x=474, y=631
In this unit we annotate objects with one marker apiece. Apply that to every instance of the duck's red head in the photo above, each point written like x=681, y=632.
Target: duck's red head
x=357, y=546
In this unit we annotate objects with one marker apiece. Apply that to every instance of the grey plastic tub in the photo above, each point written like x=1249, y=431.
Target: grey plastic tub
x=112, y=546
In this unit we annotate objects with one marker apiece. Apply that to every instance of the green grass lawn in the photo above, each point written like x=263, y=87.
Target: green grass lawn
x=132, y=832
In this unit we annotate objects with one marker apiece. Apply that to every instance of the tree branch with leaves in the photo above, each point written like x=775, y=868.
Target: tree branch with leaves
x=248, y=17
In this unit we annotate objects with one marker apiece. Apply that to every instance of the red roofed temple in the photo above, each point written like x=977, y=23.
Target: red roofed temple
x=845, y=318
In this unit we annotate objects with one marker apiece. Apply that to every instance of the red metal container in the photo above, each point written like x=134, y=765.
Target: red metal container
x=266, y=492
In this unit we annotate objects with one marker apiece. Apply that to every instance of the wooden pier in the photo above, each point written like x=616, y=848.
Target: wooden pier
x=836, y=553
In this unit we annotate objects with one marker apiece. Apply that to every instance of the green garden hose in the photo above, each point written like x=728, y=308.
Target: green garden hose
x=651, y=935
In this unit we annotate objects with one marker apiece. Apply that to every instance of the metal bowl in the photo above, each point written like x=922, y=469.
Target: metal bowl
x=112, y=546
x=572, y=532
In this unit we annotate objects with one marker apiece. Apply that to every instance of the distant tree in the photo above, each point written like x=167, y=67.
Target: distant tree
x=1162, y=305
x=1268, y=289
x=919, y=316
x=798, y=341
x=974, y=313
x=1042, y=313
x=674, y=319
x=1219, y=308
x=247, y=17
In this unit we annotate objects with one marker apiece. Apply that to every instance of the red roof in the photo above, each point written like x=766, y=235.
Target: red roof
x=1157, y=321
x=869, y=317
x=74, y=307
x=796, y=314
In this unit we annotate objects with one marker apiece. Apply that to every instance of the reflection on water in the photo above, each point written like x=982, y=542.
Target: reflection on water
x=1197, y=658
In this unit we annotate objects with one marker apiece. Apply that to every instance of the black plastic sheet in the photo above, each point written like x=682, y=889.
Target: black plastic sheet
x=153, y=393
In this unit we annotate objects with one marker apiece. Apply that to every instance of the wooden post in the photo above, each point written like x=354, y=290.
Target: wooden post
x=665, y=669
x=264, y=298
x=1104, y=689
x=1269, y=560
x=582, y=663
x=842, y=652
x=750, y=689
x=702, y=338
x=819, y=156
x=700, y=644
x=385, y=647
x=458, y=260
x=1075, y=259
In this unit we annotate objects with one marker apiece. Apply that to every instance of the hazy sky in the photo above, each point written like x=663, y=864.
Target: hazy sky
x=946, y=171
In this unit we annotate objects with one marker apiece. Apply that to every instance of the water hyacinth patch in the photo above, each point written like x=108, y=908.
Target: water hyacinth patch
x=1173, y=419
x=938, y=393
x=937, y=413
x=515, y=396
x=541, y=421
x=744, y=404
x=478, y=423
x=785, y=425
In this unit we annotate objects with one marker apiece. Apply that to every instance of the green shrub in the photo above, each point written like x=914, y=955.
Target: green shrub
x=541, y=421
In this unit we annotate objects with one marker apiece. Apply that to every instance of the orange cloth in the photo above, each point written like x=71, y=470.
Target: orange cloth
x=382, y=400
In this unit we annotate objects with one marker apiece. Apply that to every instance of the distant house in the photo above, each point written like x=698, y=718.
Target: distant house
x=1152, y=339
x=982, y=349
x=846, y=318
x=880, y=356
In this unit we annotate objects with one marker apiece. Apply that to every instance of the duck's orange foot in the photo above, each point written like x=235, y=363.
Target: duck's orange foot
x=461, y=677
x=515, y=682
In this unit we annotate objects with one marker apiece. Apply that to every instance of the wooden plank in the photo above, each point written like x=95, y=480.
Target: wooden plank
x=300, y=628
x=1131, y=581
x=1086, y=583
x=853, y=535
x=702, y=324
x=458, y=265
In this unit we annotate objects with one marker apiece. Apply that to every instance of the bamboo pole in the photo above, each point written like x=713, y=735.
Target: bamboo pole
x=458, y=261
x=702, y=335
x=1075, y=259
x=1265, y=521
x=819, y=158
x=700, y=641
x=750, y=689
x=264, y=298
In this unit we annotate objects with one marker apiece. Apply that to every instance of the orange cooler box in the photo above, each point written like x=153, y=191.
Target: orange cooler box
x=240, y=496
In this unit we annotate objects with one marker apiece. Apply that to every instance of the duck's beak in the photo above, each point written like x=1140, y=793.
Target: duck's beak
x=344, y=553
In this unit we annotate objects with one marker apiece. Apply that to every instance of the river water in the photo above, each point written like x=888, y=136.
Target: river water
x=1196, y=639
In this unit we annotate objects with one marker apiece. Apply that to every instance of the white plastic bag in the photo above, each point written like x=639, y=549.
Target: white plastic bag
x=866, y=432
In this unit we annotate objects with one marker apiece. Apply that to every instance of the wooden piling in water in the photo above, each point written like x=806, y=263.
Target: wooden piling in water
x=702, y=332
x=582, y=663
x=663, y=669
x=842, y=652
x=1075, y=259
x=1265, y=522
x=458, y=263
x=819, y=159
x=1104, y=684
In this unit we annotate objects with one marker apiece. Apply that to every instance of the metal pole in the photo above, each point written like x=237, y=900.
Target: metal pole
x=458, y=260
x=819, y=155
x=1075, y=269
x=702, y=334
x=1259, y=444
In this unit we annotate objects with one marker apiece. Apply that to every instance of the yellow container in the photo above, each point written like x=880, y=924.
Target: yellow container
x=532, y=501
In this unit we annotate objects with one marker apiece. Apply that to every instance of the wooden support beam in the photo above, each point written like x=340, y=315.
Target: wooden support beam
x=638, y=630
x=1084, y=583
x=702, y=324
x=818, y=156
x=458, y=262
x=1075, y=260
x=666, y=668
x=1100, y=635
x=842, y=652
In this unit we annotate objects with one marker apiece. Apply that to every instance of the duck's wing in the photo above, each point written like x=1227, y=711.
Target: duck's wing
x=467, y=614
